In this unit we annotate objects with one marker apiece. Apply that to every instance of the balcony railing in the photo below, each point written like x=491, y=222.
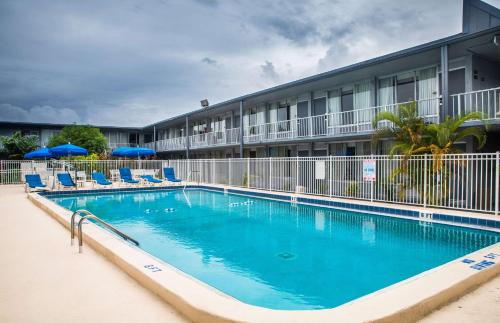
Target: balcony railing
x=486, y=102
x=216, y=138
x=178, y=143
x=333, y=124
x=121, y=144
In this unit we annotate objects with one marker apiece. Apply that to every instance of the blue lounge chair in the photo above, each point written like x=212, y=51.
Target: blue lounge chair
x=170, y=175
x=100, y=179
x=65, y=180
x=126, y=176
x=34, y=182
x=151, y=179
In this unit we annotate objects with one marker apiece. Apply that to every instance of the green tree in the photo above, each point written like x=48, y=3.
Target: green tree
x=413, y=137
x=442, y=137
x=17, y=145
x=404, y=126
x=88, y=137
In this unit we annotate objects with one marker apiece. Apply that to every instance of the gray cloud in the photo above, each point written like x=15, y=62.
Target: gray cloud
x=117, y=62
x=269, y=72
x=209, y=61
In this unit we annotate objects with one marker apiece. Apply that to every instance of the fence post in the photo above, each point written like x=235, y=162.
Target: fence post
x=297, y=175
x=270, y=174
x=248, y=172
x=373, y=181
x=213, y=170
x=230, y=169
x=330, y=181
x=497, y=180
x=425, y=180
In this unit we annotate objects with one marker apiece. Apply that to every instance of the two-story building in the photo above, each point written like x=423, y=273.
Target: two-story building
x=331, y=113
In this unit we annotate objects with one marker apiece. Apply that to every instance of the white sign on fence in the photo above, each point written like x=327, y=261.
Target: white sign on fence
x=320, y=166
x=369, y=173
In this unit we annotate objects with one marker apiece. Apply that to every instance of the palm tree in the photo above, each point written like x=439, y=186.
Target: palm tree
x=405, y=127
x=413, y=137
x=442, y=137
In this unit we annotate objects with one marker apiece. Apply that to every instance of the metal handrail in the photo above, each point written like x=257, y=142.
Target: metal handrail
x=89, y=215
x=73, y=222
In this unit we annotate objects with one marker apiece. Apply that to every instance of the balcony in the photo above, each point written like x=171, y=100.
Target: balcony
x=334, y=124
x=121, y=144
x=486, y=102
x=216, y=138
x=170, y=144
x=347, y=123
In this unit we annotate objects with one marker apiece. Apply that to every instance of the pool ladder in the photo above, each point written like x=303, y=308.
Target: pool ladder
x=89, y=215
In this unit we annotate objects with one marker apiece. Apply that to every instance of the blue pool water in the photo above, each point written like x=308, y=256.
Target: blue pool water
x=275, y=254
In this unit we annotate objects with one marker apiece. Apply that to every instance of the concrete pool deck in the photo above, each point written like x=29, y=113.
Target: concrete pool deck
x=30, y=285
x=44, y=279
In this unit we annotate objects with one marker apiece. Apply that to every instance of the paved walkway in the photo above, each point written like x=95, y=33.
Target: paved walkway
x=481, y=306
x=43, y=279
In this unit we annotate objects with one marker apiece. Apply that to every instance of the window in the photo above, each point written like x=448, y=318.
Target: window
x=347, y=101
x=319, y=106
x=283, y=112
x=302, y=109
x=405, y=89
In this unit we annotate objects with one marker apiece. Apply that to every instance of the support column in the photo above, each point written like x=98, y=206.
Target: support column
x=444, y=82
x=187, y=137
x=154, y=137
x=241, y=129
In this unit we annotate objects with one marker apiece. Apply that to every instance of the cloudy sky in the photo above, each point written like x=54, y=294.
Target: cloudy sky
x=132, y=63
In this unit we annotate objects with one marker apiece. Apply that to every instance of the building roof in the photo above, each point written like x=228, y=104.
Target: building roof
x=58, y=125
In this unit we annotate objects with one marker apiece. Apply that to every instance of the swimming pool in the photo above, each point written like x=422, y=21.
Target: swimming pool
x=276, y=254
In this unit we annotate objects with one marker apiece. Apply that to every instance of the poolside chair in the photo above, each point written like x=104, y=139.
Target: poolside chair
x=66, y=181
x=126, y=176
x=170, y=175
x=151, y=180
x=34, y=182
x=99, y=179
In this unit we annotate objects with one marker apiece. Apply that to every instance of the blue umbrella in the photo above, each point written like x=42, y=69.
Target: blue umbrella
x=68, y=150
x=132, y=152
x=39, y=153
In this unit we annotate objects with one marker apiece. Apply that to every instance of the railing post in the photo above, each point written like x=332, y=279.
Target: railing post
x=373, y=181
x=425, y=180
x=497, y=181
x=310, y=126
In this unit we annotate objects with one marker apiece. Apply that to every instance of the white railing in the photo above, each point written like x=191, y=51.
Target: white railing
x=178, y=143
x=463, y=181
x=215, y=138
x=334, y=124
x=486, y=102
x=121, y=144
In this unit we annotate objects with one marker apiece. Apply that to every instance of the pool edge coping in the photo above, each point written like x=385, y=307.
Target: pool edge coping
x=433, y=288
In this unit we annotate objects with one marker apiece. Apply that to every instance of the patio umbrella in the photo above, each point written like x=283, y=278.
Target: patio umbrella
x=39, y=153
x=132, y=152
x=68, y=150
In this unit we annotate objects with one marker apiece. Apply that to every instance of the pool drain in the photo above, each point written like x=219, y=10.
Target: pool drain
x=286, y=255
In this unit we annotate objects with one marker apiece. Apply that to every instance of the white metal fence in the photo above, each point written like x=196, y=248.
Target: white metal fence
x=461, y=181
